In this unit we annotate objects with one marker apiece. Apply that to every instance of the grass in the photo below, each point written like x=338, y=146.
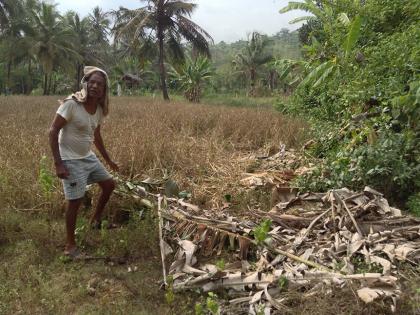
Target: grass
x=37, y=279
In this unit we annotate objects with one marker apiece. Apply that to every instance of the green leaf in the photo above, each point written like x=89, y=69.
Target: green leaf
x=228, y=197
x=353, y=35
x=343, y=18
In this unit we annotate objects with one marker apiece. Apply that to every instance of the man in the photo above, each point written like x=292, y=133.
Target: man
x=77, y=124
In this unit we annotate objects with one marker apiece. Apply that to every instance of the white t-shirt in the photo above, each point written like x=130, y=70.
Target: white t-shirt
x=76, y=137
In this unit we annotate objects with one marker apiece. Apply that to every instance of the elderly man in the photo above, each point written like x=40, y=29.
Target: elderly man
x=76, y=125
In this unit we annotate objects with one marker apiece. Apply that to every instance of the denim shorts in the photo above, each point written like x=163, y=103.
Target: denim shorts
x=83, y=172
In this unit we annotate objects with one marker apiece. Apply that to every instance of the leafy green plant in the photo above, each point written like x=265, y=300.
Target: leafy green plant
x=261, y=231
x=413, y=204
x=364, y=113
x=191, y=77
x=170, y=295
x=220, y=264
x=283, y=282
x=45, y=177
x=82, y=227
x=211, y=304
x=198, y=309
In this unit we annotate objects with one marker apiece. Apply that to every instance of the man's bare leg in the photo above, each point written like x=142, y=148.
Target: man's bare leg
x=107, y=187
x=71, y=217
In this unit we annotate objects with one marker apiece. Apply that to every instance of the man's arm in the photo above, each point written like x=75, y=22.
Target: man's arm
x=58, y=123
x=99, y=144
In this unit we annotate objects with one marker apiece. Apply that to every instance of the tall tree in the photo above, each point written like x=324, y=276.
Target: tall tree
x=81, y=29
x=165, y=22
x=12, y=30
x=99, y=25
x=52, y=42
x=252, y=57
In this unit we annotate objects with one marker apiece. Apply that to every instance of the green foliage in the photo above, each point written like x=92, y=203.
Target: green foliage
x=413, y=204
x=220, y=264
x=164, y=23
x=211, y=306
x=252, y=58
x=170, y=295
x=198, y=309
x=362, y=97
x=211, y=303
x=283, y=282
x=261, y=231
x=361, y=266
x=191, y=76
x=45, y=177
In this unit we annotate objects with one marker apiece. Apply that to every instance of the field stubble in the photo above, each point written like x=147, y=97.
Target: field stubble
x=194, y=144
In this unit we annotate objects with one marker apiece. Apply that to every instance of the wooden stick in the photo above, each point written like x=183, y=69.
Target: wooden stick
x=162, y=253
x=349, y=213
x=312, y=225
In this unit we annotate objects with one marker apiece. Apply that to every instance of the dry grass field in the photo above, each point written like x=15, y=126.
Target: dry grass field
x=193, y=144
x=189, y=142
x=196, y=145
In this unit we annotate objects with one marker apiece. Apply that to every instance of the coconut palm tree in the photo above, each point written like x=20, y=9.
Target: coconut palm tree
x=166, y=22
x=13, y=27
x=252, y=58
x=99, y=25
x=80, y=28
x=52, y=41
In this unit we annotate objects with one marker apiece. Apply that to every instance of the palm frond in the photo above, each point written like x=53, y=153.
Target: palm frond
x=194, y=35
x=176, y=8
x=175, y=48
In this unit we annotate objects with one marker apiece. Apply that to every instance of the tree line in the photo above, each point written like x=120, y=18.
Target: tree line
x=156, y=46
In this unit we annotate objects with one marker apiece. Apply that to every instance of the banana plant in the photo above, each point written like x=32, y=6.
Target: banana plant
x=320, y=73
x=191, y=76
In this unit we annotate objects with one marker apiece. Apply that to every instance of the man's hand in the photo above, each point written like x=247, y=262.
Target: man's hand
x=61, y=171
x=113, y=166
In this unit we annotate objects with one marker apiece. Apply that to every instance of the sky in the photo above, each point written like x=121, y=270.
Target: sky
x=224, y=20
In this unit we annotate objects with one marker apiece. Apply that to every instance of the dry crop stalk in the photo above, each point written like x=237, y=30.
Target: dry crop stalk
x=162, y=254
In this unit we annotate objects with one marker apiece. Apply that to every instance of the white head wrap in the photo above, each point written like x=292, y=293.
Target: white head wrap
x=81, y=96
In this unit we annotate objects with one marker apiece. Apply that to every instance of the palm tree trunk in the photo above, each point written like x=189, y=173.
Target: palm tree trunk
x=49, y=84
x=9, y=70
x=162, y=66
x=78, y=77
x=29, y=90
x=252, y=79
x=45, y=83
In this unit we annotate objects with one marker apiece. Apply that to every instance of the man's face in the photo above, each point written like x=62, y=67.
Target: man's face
x=96, y=85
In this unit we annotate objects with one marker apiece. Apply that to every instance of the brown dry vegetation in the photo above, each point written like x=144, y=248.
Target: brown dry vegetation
x=191, y=142
x=197, y=145
x=194, y=144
